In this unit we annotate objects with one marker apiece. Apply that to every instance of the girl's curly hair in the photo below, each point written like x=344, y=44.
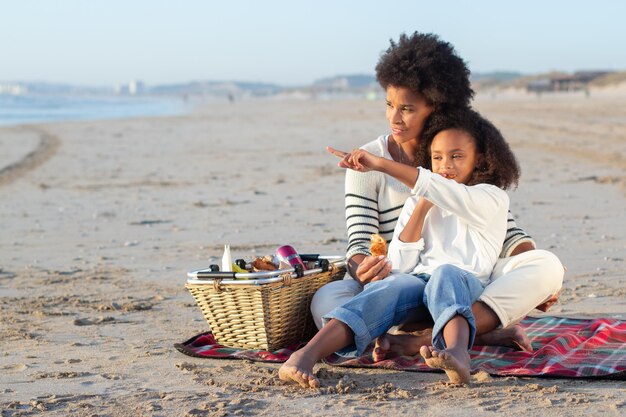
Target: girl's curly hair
x=499, y=165
x=425, y=64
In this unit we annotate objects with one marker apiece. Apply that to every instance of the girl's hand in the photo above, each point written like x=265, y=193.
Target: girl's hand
x=373, y=268
x=357, y=160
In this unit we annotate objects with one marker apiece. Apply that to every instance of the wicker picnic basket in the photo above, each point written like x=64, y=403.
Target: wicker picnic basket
x=262, y=310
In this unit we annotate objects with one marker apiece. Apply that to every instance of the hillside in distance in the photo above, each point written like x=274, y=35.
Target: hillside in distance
x=350, y=84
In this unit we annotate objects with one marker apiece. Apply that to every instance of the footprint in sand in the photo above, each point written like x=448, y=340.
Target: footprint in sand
x=16, y=367
x=91, y=322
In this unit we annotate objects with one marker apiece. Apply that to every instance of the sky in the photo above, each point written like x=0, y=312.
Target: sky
x=108, y=42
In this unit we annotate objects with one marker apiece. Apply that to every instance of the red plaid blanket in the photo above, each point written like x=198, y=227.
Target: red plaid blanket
x=564, y=347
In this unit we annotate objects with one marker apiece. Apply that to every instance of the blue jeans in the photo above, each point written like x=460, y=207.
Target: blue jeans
x=381, y=305
x=451, y=291
x=400, y=298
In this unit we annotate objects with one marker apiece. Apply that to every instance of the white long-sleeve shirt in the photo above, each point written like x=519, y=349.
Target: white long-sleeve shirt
x=374, y=202
x=465, y=227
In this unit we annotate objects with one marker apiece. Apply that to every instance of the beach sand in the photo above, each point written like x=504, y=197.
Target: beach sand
x=101, y=221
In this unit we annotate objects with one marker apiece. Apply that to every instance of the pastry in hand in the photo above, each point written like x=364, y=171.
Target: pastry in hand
x=378, y=245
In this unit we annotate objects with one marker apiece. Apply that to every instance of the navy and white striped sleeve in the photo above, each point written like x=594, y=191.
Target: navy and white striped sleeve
x=514, y=236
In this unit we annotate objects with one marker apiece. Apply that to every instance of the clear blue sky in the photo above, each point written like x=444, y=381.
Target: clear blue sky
x=100, y=42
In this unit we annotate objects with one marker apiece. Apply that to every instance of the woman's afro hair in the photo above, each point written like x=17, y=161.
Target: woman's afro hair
x=425, y=64
x=499, y=166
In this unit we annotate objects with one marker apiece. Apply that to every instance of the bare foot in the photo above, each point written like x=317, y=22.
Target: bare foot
x=299, y=369
x=412, y=327
x=455, y=363
x=390, y=345
x=512, y=336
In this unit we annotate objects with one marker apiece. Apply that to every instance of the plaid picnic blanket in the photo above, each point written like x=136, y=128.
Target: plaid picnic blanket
x=564, y=347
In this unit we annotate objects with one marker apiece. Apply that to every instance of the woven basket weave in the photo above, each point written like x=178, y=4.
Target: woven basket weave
x=262, y=316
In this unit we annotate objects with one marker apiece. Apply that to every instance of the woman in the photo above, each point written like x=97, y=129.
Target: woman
x=421, y=74
x=445, y=245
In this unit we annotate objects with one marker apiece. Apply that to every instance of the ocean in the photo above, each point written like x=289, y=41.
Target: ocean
x=26, y=109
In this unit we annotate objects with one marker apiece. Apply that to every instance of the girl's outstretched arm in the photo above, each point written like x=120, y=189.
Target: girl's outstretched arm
x=363, y=161
x=361, y=207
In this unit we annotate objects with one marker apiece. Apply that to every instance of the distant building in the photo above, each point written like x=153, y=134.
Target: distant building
x=539, y=86
x=356, y=84
x=575, y=82
x=135, y=88
x=13, y=89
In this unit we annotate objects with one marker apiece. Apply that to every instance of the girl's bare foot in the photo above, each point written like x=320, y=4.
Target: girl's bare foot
x=512, y=336
x=299, y=368
x=390, y=345
x=455, y=363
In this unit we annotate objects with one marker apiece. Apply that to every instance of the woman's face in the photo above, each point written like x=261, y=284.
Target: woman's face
x=407, y=112
x=454, y=155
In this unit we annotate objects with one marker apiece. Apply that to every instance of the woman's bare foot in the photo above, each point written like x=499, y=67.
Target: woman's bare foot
x=512, y=336
x=390, y=345
x=299, y=368
x=413, y=327
x=455, y=363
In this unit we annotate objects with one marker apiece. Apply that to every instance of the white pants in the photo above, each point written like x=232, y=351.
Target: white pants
x=517, y=285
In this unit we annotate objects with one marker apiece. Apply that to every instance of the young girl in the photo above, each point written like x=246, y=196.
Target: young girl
x=445, y=245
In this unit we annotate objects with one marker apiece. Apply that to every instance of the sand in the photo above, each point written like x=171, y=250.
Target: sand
x=101, y=221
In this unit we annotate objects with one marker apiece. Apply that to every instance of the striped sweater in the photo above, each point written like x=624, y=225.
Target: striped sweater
x=374, y=202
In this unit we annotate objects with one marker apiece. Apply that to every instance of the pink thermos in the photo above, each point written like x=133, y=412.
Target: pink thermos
x=289, y=255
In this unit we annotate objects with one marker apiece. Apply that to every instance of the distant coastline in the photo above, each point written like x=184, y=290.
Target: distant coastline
x=36, y=108
x=36, y=102
x=338, y=85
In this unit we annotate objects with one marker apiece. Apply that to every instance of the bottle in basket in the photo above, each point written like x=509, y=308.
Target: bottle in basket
x=227, y=261
x=288, y=254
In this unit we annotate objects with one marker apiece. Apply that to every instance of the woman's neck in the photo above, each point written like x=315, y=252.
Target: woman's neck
x=403, y=153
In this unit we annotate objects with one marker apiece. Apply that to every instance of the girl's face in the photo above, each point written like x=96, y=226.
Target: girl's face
x=407, y=112
x=454, y=155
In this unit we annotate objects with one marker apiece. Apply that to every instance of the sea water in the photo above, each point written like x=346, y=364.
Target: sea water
x=26, y=109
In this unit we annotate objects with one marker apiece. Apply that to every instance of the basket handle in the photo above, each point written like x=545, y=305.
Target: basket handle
x=309, y=257
x=215, y=275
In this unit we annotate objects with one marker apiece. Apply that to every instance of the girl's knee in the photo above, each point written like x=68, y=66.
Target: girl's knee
x=450, y=279
x=443, y=278
x=445, y=270
x=445, y=274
